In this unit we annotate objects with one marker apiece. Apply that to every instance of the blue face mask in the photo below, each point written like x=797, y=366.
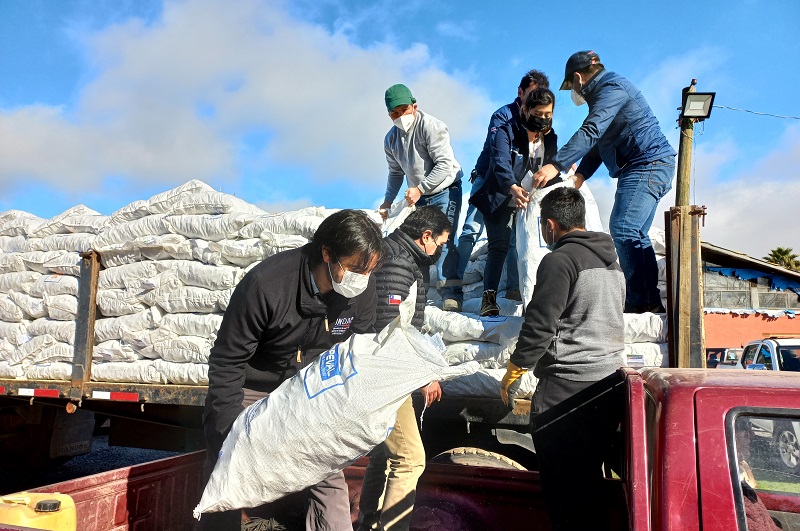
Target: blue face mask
x=550, y=246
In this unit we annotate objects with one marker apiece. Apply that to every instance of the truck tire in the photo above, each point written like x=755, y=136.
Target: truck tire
x=468, y=456
x=787, y=446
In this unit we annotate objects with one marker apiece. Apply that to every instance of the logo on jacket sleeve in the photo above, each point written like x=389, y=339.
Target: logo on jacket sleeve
x=395, y=299
x=341, y=325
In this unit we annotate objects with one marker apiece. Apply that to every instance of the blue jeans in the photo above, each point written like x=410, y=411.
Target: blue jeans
x=639, y=190
x=449, y=201
x=470, y=232
x=501, y=231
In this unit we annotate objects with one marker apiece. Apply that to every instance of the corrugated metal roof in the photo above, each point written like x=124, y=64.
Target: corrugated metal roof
x=727, y=258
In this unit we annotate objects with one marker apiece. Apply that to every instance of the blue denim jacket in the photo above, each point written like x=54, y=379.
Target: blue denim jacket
x=621, y=130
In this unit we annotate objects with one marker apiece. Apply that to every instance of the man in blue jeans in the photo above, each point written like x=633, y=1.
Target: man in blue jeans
x=473, y=222
x=418, y=148
x=622, y=132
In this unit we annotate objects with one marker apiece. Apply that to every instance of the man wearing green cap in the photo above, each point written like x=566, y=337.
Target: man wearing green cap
x=418, y=148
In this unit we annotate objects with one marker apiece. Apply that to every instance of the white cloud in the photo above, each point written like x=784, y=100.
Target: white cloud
x=252, y=67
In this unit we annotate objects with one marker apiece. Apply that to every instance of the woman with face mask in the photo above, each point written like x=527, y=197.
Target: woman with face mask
x=519, y=148
x=283, y=314
x=409, y=252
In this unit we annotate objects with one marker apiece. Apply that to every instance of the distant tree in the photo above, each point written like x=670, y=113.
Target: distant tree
x=784, y=257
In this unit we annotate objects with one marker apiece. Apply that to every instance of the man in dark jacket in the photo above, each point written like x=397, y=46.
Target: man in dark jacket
x=622, y=132
x=572, y=337
x=409, y=250
x=283, y=314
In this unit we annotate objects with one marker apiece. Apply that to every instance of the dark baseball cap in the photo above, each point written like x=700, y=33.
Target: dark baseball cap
x=575, y=62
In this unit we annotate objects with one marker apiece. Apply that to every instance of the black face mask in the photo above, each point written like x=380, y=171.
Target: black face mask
x=535, y=124
x=434, y=258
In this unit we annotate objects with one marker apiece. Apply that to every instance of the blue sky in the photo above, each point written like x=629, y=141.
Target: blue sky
x=103, y=102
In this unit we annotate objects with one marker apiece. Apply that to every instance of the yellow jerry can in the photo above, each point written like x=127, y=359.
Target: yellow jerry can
x=46, y=510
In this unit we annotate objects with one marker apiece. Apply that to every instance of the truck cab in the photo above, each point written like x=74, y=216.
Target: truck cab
x=772, y=354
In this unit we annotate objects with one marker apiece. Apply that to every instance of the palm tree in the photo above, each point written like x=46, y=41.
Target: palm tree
x=784, y=257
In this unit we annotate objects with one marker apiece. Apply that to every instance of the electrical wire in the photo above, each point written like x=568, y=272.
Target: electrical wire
x=756, y=112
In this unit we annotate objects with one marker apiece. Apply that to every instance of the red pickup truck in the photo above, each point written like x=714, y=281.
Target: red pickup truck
x=687, y=438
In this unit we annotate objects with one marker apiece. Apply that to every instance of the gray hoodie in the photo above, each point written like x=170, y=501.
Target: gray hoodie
x=423, y=155
x=573, y=325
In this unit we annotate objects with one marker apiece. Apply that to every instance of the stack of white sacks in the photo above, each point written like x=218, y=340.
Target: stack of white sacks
x=170, y=264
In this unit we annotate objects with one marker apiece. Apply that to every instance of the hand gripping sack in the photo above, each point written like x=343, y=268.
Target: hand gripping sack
x=341, y=405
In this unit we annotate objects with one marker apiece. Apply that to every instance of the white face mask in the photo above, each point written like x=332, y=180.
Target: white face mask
x=577, y=97
x=352, y=284
x=404, y=122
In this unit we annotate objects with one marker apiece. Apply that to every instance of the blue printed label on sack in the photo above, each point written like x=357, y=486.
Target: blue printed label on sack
x=332, y=369
x=329, y=365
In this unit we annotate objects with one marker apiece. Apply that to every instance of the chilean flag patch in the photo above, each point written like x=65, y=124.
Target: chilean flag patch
x=395, y=299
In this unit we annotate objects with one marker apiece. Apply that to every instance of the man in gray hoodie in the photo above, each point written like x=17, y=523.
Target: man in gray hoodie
x=418, y=148
x=573, y=332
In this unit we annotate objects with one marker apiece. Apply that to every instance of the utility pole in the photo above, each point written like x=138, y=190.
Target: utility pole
x=685, y=153
x=684, y=263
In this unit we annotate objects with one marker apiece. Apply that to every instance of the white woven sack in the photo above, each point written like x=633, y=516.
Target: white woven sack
x=117, y=302
x=125, y=233
x=144, y=340
x=11, y=263
x=68, y=263
x=206, y=276
x=30, y=349
x=342, y=404
x=55, y=225
x=187, y=300
x=61, y=307
x=163, y=202
x=15, y=332
x=213, y=203
x=209, y=227
x=119, y=276
x=57, y=352
x=141, y=371
x=54, y=285
x=18, y=223
x=9, y=370
x=33, y=307
x=486, y=382
x=87, y=223
x=9, y=311
x=114, y=351
x=114, y=327
x=531, y=247
x=646, y=354
x=489, y=355
x=397, y=214
x=184, y=349
x=77, y=243
x=183, y=373
x=36, y=260
x=202, y=253
x=63, y=331
x=277, y=243
x=49, y=371
x=303, y=222
x=645, y=328
x=131, y=212
x=460, y=327
x=8, y=350
x=18, y=281
x=192, y=324
x=164, y=247
x=119, y=255
x=241, y=252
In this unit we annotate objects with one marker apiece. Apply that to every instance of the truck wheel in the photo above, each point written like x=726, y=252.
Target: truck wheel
x=788, y=446
x=468, y=456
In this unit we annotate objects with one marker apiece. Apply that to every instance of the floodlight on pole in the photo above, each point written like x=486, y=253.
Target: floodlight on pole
x=695, y=107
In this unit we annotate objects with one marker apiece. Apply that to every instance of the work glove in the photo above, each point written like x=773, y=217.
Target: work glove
x=509, y=385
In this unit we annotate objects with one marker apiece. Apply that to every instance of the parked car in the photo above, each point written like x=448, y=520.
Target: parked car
x=723, y=358
x=772, y=354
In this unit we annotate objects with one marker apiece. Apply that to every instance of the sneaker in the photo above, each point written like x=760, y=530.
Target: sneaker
x=489, y=305
x=514, y=295
x=451, y=305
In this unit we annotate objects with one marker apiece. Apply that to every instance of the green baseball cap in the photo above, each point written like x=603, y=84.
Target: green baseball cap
x=398, y=95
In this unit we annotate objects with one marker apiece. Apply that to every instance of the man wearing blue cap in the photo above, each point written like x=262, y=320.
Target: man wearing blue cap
x=418, y=149
x=622, y=132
